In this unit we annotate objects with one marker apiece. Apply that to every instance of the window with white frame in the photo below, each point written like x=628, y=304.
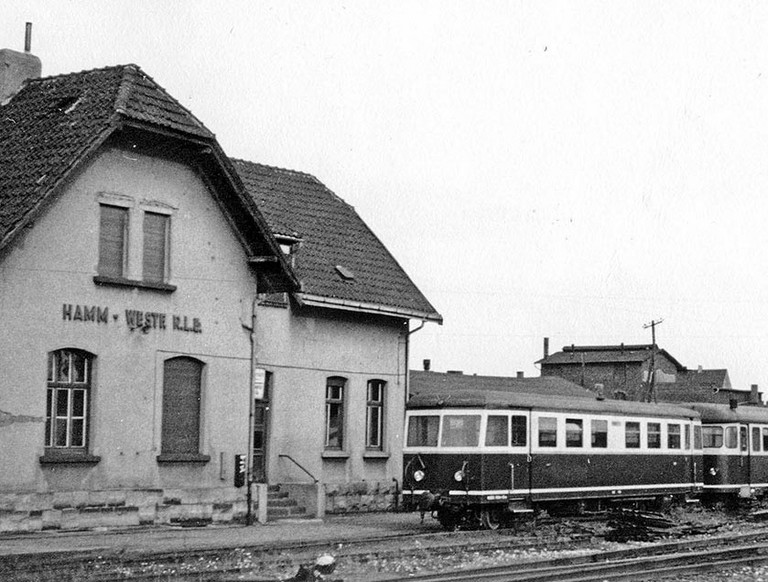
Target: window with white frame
x=334, y=412
x=375, y=415
x=67, y=402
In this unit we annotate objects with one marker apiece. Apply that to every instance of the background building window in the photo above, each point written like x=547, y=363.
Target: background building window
x=69, y=383
x=182, y=380
x=156, y=235
x=374, y=414
x=334, y=413
x=113, y=234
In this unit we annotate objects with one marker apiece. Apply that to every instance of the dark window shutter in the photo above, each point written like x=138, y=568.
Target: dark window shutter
x=181, y=406
x=112, y=231
x=155, y=237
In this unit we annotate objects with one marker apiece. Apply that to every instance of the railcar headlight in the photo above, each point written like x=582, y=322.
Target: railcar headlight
x=713, y=471
x=459, y=475
x=418, y=475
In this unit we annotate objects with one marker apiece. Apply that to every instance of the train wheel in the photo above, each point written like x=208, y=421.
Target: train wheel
x=490, y=518
x=448, y=519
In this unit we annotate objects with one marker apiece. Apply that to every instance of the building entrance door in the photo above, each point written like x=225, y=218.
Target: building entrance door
x=261, y=432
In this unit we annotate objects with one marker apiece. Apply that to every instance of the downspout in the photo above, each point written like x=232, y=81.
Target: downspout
x=407, y=358
x=249, y=452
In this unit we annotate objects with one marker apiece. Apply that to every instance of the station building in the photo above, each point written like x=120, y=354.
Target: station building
x=171, y=316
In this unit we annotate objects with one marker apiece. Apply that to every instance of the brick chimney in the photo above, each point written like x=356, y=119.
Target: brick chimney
x=16, y=67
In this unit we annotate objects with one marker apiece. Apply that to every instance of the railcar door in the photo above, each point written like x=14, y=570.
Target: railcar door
x=505, y=456
x=742, y=469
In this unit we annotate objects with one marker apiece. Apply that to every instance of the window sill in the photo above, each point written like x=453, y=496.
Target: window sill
x=341, y=455
x=56, y=457
x=183, y=458
x=121, y=282
x=383, y=455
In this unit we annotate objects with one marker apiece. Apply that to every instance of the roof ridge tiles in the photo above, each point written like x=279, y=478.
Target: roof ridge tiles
x=277, y=168
x=78, y=73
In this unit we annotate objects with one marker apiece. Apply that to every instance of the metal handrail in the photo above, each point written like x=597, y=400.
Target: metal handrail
x=295, y=462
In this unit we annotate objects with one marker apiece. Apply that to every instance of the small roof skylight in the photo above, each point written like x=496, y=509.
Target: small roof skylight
x=345, y=273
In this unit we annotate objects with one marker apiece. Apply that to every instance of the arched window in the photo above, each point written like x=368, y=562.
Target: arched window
x=182, y=384
x=68, y=400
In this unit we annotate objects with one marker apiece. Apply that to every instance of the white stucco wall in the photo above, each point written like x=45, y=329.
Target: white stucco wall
x=304, y=347
x=53, y=265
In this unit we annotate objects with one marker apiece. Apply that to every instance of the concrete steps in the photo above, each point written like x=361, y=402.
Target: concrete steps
x=281, y=506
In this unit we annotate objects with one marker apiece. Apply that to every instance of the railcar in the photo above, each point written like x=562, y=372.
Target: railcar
x=735, y=450
x=481, y=456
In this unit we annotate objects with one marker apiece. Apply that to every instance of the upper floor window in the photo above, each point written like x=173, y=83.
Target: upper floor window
x=67, y=402
x=374, y=414
x=334, y=413
x=124, y=263
x=113, y=240
x=156, y=235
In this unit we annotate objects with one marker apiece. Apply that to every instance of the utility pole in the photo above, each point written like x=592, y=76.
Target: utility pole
x=651, y=396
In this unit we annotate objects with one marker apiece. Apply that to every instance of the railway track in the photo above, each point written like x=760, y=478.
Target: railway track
x=225, y=564
x=622, y=565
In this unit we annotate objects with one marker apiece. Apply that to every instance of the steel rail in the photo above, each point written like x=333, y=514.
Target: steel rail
x=580, y=569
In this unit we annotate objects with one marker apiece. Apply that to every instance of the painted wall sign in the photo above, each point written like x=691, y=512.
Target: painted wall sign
x=134, y=319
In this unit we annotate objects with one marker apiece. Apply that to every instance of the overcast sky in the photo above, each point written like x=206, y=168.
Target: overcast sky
x=570, y=170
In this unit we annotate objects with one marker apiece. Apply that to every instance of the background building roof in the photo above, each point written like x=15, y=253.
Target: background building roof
x=605, y=355
x=422, y=382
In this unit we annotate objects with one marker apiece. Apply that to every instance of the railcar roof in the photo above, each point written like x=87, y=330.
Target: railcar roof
x=724, y=413
x=488, y=399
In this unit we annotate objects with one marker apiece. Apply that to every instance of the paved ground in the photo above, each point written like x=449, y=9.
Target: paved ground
x=147, y=540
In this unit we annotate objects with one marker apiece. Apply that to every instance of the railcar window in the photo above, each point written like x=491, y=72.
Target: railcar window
x=547, y=431
x=632, y=435
x=461, y=430
x=731, y=438
x=599, y=434
x=497, y=431
x=743, y=437
x=654, y=435
x=422, y=431
x=574, y=432
x=687, y=436
x=765, y=439
x=519, y=431
x=713, y=436
x=697, y=437
x=673, y=436
x=756, y=439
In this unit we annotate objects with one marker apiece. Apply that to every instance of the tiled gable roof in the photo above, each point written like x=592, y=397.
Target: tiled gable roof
x=50, y=125
x=338, y=259
x=715, y=378
x=605, y=355
x=422, y=382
